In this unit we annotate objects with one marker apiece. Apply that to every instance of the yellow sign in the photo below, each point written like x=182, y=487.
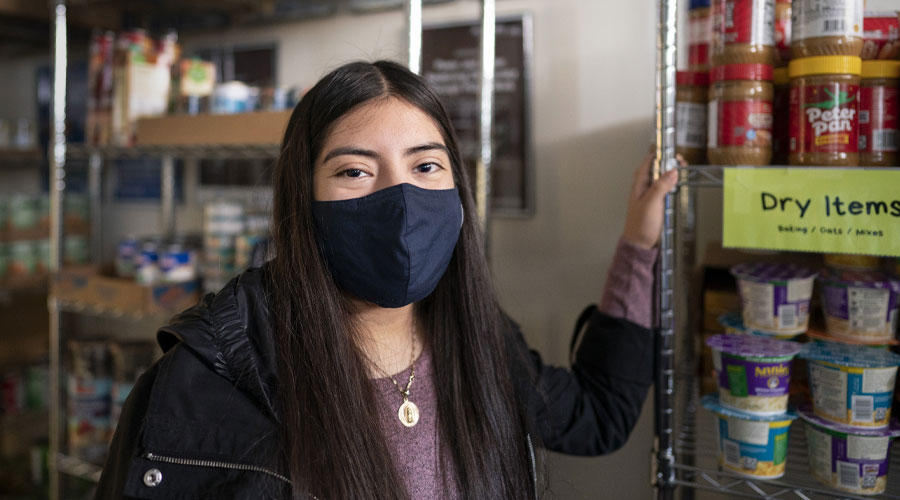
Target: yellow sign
x=829, y=210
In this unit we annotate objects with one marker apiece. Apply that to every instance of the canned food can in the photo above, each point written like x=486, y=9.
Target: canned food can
x=178, y=264
x=126, y=256
x=23, y=212
x=76, y=250
x=22, y=258
x=223, y=218
x=146, y=270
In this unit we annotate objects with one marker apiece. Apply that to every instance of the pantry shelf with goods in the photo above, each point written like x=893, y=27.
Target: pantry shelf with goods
x=147, y=104
x=785, y=375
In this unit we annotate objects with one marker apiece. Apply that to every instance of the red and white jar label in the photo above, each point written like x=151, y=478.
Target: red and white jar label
x=878, y=127
x=740, y=123
x=690, y=125
x=824, y=118
x=744, y=21
x=826, y=18
x=700, y=36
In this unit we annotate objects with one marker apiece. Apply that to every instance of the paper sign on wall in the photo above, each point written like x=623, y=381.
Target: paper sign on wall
x=829, y=210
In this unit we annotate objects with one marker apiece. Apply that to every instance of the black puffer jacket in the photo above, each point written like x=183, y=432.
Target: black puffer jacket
x=200, y=424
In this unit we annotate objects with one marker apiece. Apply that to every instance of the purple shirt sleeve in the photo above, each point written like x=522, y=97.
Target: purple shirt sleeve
x=628, y=293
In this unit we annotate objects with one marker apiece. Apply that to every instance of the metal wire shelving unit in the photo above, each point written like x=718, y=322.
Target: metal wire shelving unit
x=60, y=152
x=685, y=457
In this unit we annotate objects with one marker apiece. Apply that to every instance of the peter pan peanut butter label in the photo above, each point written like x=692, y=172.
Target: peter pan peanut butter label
x=824, y=119
x=740, y=123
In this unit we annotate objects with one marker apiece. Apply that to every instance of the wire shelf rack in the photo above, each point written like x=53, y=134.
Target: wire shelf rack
x=697, y=459
x=211, y=152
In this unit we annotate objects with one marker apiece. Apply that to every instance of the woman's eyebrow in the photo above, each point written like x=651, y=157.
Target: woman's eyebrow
x=431, y=146
x=349, y=151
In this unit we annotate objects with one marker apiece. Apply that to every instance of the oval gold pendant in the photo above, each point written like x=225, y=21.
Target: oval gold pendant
x=408, y=413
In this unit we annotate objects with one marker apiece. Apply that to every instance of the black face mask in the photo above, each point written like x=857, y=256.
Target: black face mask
x=392, y=246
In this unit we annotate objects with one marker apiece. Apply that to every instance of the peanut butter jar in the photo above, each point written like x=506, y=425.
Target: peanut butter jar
x=740, y=115
x=699, y=35
x=825, y=111
x=879, y=133
x=691, y=98
x=743, y=32
x=782, y=32
x=826, y=28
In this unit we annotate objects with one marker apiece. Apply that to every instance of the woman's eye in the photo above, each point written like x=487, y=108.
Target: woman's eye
x=351, y=172
x=427, y=168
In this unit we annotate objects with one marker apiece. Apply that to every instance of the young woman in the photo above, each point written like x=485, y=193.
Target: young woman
x=370, y=359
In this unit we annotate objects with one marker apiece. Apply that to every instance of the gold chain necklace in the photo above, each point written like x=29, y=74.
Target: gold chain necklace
x=408, y=413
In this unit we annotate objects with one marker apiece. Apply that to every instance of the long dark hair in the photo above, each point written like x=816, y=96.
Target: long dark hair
x=333, y=445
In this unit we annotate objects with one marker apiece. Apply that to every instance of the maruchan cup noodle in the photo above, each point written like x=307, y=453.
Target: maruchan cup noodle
x=851, y=385
x=751, y=445
x=826, y=27
x=753, y=373
x=824, y=113
x=860, y=305
x=845, y=458
x=775, y=297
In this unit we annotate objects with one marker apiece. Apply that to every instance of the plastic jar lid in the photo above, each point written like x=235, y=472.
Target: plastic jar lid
x=780, y=76
x=693, y=78
x=752, y=346
x=699, y=4
x=856, y=356
x=825, y=65
x=881, y=69
x=743, y=71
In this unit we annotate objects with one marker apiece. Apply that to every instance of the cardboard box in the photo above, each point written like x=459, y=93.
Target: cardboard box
x=88, y=285
x=266, y=127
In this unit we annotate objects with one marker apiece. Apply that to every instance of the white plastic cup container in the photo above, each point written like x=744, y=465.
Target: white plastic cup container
x=775, y=297
x=851, y=385
x=846, y=458
x=752, y=446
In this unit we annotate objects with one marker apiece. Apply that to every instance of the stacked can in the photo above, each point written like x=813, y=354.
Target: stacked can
x=223, y=223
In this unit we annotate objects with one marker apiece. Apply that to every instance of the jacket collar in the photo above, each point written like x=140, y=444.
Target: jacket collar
x=230, y=332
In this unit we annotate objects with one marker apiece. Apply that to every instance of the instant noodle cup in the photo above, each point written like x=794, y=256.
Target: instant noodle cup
x=753, y=373
x=860, y=305
x=733, y=324
x=754, y=446
x=775, y=297
x=851, y=385
x=846, y=458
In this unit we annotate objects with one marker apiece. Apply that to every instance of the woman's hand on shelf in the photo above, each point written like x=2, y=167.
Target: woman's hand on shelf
x=643, y=224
